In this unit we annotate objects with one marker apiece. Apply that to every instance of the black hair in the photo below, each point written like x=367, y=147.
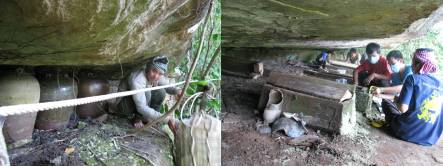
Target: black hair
x=395, y=54
x=330, y=51
x=372, y=47
x=353, y=50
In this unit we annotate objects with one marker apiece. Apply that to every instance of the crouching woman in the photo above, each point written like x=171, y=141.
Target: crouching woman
x=418, y=118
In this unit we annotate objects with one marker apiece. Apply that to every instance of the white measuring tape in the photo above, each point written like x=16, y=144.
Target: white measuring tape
x=35, y=107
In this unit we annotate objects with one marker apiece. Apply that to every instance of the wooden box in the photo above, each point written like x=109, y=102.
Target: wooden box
x=325, y=104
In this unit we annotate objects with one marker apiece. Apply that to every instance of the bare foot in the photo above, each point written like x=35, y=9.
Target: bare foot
x=138, y=124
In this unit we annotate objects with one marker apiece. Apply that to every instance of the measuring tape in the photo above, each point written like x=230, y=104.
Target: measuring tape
x=36, y=107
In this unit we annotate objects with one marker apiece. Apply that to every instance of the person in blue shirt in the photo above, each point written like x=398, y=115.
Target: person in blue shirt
x=418, y=118
x=322, y=59
x=400, y=71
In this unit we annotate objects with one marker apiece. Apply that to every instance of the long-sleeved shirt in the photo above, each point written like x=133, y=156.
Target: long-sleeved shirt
x=138, y=80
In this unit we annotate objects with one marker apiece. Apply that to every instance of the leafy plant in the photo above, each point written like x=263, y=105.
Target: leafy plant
x=432, y=40
x=210, y=51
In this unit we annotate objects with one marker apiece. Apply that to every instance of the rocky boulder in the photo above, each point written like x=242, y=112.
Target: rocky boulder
x=95, y=32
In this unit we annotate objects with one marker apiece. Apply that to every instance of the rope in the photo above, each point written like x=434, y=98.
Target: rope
x=186, y=102
x=36, y=107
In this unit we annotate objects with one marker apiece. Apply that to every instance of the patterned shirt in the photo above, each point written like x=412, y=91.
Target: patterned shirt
x=422, y=123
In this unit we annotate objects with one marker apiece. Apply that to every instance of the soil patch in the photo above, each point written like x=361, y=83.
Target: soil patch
x=243, y=145
x=94, y=143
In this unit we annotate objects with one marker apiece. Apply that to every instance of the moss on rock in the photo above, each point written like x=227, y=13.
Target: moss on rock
x=101, y=32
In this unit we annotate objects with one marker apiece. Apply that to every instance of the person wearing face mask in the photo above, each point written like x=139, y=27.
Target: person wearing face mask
x=417, y=116
x=375, y=70
x=399, y=73
x=144, y=107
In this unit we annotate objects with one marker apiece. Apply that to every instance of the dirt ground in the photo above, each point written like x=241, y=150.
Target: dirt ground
x=90, y=142
x=243, y=145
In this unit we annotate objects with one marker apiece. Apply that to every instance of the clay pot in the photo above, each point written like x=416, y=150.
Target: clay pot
x=18, y=88
x=273, y=107
x=55, y=87
x=92, y=87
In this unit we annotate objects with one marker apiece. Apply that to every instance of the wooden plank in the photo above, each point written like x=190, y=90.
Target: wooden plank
x=249, y=86
x=235, y=64
x=343, y=64
x=333, y=68
x=328, y=76
x=309, y=85
x=336, y=70
x=264, y=97
x=237, y=74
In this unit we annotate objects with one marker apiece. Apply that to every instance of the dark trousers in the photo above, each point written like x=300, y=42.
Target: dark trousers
x=390, y=109
x=155, y=97
x=375, y=82
x=319, y=63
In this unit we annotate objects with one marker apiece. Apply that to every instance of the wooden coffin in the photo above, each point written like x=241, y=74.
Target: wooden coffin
x=325, y=104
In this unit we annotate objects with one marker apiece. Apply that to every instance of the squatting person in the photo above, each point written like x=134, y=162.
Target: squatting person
x=145, y=107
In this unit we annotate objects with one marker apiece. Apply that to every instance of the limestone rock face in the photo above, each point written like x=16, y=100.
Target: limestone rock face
x=278, y=23
x=95, y=32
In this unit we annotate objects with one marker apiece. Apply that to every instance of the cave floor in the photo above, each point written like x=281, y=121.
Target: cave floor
x=89, y=142
x=243, y=145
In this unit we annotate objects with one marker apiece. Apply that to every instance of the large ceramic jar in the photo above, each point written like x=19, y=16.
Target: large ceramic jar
x=55, y=87
x=18, y=88
x=92, y=87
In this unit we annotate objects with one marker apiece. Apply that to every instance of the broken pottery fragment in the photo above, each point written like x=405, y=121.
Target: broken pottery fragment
x=263, y=128
x=291, y=127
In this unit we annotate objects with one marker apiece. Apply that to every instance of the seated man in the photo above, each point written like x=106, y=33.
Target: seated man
x=399, y=73
x=375, y=70
x=144, y=107
x=353, y=57
x=418, y=118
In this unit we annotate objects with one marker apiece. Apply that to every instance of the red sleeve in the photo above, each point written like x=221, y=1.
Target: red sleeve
x=363, y=67
x=387, y=70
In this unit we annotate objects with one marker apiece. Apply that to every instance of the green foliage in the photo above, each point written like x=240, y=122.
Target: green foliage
x=433, y=39
x=212, y=41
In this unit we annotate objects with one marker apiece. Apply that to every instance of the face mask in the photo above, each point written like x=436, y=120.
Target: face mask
x=374, y=60
x=395, y=68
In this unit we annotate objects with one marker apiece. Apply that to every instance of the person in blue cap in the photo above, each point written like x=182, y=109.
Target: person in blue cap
x=145, y=107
